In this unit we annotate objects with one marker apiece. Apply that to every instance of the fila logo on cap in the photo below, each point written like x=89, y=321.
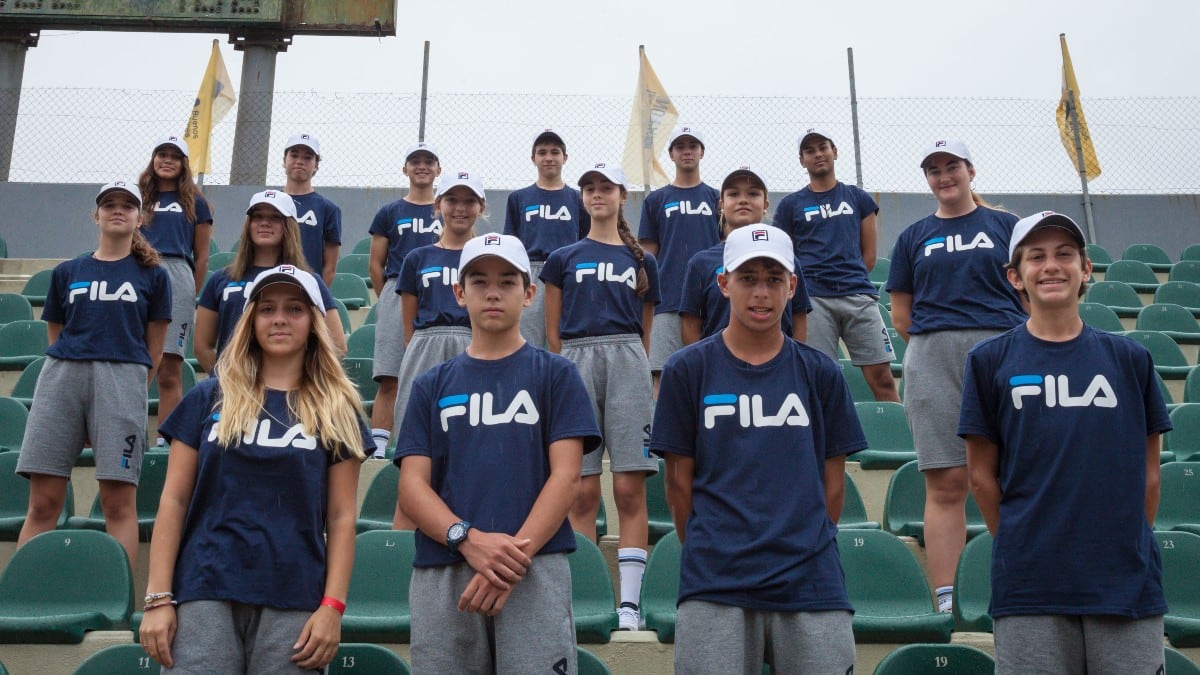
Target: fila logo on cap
x=305, y=136
x=287, y=269
x=491, y=240
x=939, y=144
x=685, y=130
x=269, y=194
x=463, y=175
x=758, y=235
x=173, y=139
x=120, y=184
x=600, y=165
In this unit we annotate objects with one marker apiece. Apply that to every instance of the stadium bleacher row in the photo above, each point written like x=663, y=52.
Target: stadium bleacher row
x=1143, y=293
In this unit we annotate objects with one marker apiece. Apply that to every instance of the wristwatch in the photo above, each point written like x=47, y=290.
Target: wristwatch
x=457, y=534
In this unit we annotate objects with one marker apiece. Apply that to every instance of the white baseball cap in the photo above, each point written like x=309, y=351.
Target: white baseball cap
x=420, y=147
x=682, y=130
x=948, y=146
x=281, y=200
x=285, y=274
x=503, y=246
x=813, y=131
x=743, y=171
x=457, y=178
x=307, y=140
x=173, y=141
x=609, y=171
x=1040, y=221
x=759, y=241
x=128, y=186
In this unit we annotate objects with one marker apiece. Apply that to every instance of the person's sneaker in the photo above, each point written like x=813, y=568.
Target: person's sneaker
x=629, y=618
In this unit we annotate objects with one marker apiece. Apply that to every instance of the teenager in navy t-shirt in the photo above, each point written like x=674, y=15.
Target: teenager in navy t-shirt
x=755, y=428
x=254, y=538
x=1063, y=425
x=320, y=220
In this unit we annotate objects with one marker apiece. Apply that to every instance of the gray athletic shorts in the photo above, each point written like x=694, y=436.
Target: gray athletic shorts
x=714, y=638
x=534, y=633
x=665, y=339
x=389, y=333
x=229, y=637
x=183, y=304
x=1073, y=645
x=80, y=402
x=427, y=348
x=533, y=317
x=933, y=381
x=856, y=321
x=617, y=376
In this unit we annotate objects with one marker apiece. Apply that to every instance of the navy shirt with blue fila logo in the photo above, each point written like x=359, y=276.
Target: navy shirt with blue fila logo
x=684, y=222
x=487, y=426
x=954, y=269
x=255, y=530
x=170, y=231
x=1070, y=420
x=104, y=307
x=599, y=289
x=430, y=272
x=407, y=226
x=702, y=295
x=546, y=220
x=826, y=229
x=759, y=535
x=226, y=297
x=320, y=222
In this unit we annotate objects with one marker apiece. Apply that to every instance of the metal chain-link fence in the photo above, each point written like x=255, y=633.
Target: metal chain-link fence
x=1145, y=145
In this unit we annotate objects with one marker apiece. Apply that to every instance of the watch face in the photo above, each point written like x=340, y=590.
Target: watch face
x=457, y=531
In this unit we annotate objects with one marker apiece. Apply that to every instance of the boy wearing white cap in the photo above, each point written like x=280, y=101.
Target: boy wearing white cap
x=320, y=219
x=755, y=428
x=1063, y=425
x=491, y=586
x=833, y=228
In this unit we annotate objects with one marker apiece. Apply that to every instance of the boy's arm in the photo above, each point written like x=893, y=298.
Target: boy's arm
x=868, y=233
x=1153, y=476
x=552, y=304
x=561, y=488
x=329, y=262
x=983, y=466
x=902, y=312
x=835, y=486
x=377, y=261
x=690, y=328
x=800, y=326
x=680, y=472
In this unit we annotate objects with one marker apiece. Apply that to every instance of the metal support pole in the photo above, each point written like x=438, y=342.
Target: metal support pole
x=12, y=69
x=854, y=118
x=252, y=136
x=647, y=130
x=1073, y=115
x=424, y=92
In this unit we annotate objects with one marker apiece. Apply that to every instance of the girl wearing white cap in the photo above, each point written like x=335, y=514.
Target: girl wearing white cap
x=600, y=297
x=254, y=539
x=178, y=224
x=948, y=292
x=270, y=237
x=106, y=315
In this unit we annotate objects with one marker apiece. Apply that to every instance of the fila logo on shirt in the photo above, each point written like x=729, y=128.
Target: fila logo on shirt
x=544, y=212
x=260, y=435
x=604, y=271
x=685, y=208
x=418, y=226
x=481, y=409
x=309, y=218
x=954, y=243
x=1056, y=391
x=173, y=207
x=749, y=411
x=234, y=288
x=448, y=275
x=827, y=211
x=98, y=290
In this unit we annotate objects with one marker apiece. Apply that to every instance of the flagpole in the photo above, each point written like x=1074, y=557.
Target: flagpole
x=1073, y=114
x=424, y=93
x=854, y=118
x=647, y=131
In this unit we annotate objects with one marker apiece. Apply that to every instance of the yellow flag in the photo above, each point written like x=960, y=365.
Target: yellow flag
x=214, y=99
x=650, y=123
x=1065, y=117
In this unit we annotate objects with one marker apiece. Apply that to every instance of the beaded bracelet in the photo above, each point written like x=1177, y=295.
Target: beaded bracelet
x=337, y=605
x=156, y=605
x=151, y=597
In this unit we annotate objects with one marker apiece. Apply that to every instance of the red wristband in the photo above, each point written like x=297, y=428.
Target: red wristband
x=334, y=603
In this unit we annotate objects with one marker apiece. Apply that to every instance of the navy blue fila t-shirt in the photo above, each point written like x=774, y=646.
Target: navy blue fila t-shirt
x=429, y=272
x=1070, y=420
x=702, y=295
x=227, y=298
x=826, y=229
x=954, y=269
x=104, y=307
x=546, y=220
x=487, y=426
x=255, y=529
x=170, y=231
x=406, y=226
x=684, y=222
x=599, y=289
x=320, y=223
x=759, y=535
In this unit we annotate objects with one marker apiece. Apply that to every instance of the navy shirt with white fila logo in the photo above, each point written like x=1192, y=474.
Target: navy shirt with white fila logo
x=1070, y=420
x=702, y=295
x=826, y=229
x=407, y=226
x=169, y=231
x=759, y=535
x=320, y=222
x=104, y=307
x=954, y=269
x=546, y=220
x=430, y=272
x=599, y=289
x=684, y=222
x=226, y=297
x=487, y=426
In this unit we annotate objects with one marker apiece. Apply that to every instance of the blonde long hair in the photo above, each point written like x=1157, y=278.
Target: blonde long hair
x=291, y=251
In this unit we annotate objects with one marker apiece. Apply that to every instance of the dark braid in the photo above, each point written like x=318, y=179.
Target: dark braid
x=639, y=253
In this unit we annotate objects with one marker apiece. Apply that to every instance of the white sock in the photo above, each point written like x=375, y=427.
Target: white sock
x=381, y=440
x=632, y=565
x=945, y=598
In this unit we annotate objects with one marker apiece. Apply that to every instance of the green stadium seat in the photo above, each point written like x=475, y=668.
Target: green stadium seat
x=660, y=587
x=26, y=384
x=1185, y=270
x=859, y=389
x=234, y=246
x=14, y=499
x=887, y=588
x=361, y=658
x=1180, y=552
x=1100, y=317
x=1117, y=296
x=362, y=246
x=904, y=506
x=1154, y=257
x=1178, y=664
x=1169, y=360
x=13, y=416
x=889, y=440
x=601, y=521
x=1137, y=274
x=36, y=287
x=128, y=659
x=351, y=290
x=1183, y=293
x=973, y=586
x=14, y=307
x=1183, y=441
x=359, y=372
x=885, y=314
x=657, y=508
x=927, y=659
x=1179, y=501
x=358, y=264
x=343, y=314
x=22, y=343
x=218, y=260
x=49, y=594
x=885, y=298
x=1171, y=320
x=149, y=491
x=898, y=348
x=377, y=607
x=188, y=375
x=361, y=343
x=592, y=599
x=1191, y=387
x=370, y=320
x=379, y=503
x=879, y=273
x=854, y=512
x=590, y=664
x=3, y=248
x=1192, y=252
